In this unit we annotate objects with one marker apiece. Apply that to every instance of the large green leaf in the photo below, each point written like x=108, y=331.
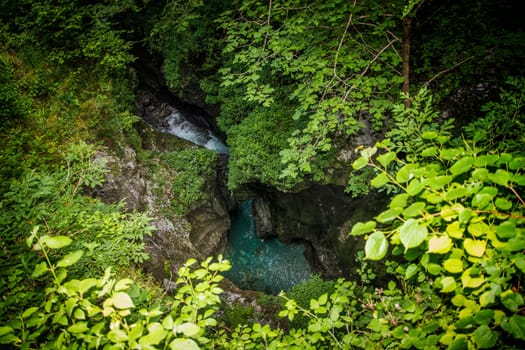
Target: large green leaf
x=122, y=300
x=462, y=165
x=412, y=234
x=484, y=337
x=56, y=242
x=386, y=158
x=362, y=228
x=515, y=325
x=376, y=246
x=379, y=180
x=453, y=265
x=70, y=259
x=475, y=247
x=439, y=245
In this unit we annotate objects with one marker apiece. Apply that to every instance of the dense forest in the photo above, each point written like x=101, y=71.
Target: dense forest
x=420, y=101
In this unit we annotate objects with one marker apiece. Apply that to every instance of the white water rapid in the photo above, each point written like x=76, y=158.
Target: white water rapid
x=179, y=126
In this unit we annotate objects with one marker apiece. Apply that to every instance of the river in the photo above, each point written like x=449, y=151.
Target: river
x=267, y=265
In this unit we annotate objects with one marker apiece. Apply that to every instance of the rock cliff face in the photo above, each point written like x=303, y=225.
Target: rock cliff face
x=138, y=176
x=322, y=215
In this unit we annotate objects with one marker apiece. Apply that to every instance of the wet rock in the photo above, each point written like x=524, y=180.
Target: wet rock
x=322, y=215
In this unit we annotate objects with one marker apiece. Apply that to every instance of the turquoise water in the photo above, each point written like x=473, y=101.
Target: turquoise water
x=265, y=265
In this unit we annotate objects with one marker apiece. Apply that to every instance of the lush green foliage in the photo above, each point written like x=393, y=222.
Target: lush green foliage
x=458, y=221
x=194, y=167
x=296, y=81
x=503, y=126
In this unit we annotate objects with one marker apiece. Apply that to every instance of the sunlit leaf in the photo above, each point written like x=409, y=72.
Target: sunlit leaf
x=388, y=215
x=386, y=158
x=376, y=246
x=474, y=247
x=56, y=242
x=439, y=245
x=362, y=228
x=412, y=234
x=453, y=265
x=379, y=180
x=462, y=165
x=448, y=284
x=70, y=258
x=122, y=300
x=500, y=177
x=183, y=344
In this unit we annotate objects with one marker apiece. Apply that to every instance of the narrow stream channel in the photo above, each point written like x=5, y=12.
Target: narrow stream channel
x=267, y=265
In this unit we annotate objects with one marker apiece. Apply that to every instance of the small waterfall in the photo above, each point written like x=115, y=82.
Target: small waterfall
x=179, y=126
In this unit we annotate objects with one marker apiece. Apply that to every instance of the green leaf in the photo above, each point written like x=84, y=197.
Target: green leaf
x=29, y=312
x=478, y=229
x=414, y=187
x=386, y=158
x=512, y=301
x=515, y=325
x=433, y=269
x=189, y=329
x=389, y=215
x=123, y=284
x=455, y=230
x=405, y=174
x=70, y=259
x=429, y=152
x=360, y=163
x=460, y=343
x=410, y=271
x=429, y=135
x=481, y=200
x=475, y=247
x=500, y=177
x=361, y=228
x=448, y=284
x=503, y=204
x=439, y=245
x=520, y=263
x=183, y=344
x=40, y=269
x=412, y=234
x=122, y=300
x=79, y=327
x=399, y=201
x=453, y=265
x=415, y=209
x=56, y=242
x=156, y=334
x=5, y=329
x=438, y=182
x=517, y=163
x=506, y=230
x=376, y=246
x=486, y=160
x=484, y=316
x=470, y=281
x=484, y=337
x=379, y=180
x=462, y=165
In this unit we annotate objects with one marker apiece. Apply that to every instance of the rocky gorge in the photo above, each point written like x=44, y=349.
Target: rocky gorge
x=318, y=216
